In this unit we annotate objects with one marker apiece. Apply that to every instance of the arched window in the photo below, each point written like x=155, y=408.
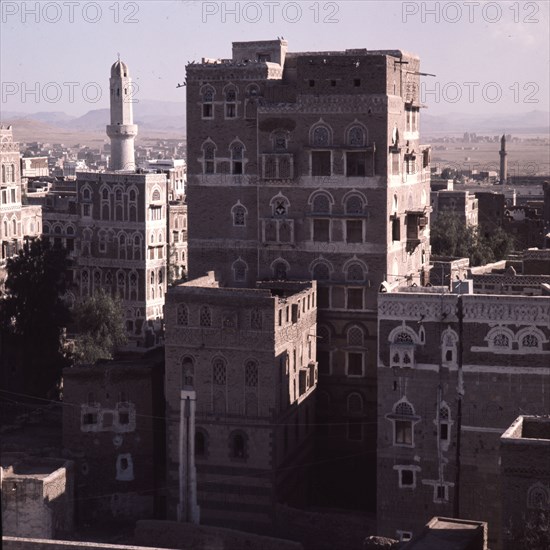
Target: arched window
x=280, y=270
x=530, y=340
x=321, y=271
x=355, y=337
x=118, y=195
x=538, y=497
x=320, y=137
x=205, y=318
x=237, y=158
x=239, y=271
x=208, y=102
x=187, y=372
x=239, y=215
x=219, y=375
x=444, y=428
x=321, y=204
x=256, y=319
x=251, y=374
x=449, y=340
x=355, y=403
x=209, y=158
x=354, y=205
x=238, y=446
x=280, y=206
x=230, y=102
x=355, y=273
x=403, y=420
x=132, y=195
x=182, y=315
x=105, y=194
x=280, y=144
x=356, y=136
x=86, y=194
x=156, y=195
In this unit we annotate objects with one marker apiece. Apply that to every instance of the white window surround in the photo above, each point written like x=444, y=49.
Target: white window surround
x=435, y=483
x=513, y=343
x=400, y=468
x=397, y=416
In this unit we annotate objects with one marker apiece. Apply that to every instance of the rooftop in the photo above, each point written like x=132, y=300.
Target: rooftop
x=528, y=429
x=450, y=534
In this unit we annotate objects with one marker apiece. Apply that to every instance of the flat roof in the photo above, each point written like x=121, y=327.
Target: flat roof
x=449, y=534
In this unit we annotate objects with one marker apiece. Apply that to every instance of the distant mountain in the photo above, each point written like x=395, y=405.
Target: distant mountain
x=534, y=122
x=148, y=114
x=168, y=118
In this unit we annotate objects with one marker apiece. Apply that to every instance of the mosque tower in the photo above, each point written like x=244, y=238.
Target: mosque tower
x=122, y=129
x=503, y=161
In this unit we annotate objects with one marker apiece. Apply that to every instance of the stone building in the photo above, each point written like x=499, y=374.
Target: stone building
x=454, y=372
x=115, y=226
x=177, y=240
x=17, y=221
x=309, y=166
x=37, y=496
x=122, y=236
x=246, y=359
x=462, y=203
x=525, y=475
x=113, y=431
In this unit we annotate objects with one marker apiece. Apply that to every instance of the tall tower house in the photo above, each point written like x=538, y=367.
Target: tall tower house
x=309, y=165
x=503, y=161
x=122, y=130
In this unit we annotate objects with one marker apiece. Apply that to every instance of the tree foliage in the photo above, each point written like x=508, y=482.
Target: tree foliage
x=34, y=314
x=451, y=236
x=99, y=324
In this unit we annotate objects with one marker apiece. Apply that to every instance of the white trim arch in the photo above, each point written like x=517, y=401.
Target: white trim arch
x=320, y=193
x=356, y=124
x=313, y=138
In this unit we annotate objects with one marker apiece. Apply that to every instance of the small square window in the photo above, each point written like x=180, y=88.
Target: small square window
x=355, y=298
x=311, y=83
x=407, y=478
x=123, y=417
x=90, y=418
x=321, y=230
x=441, y=492
x=355, y=364
x=333, y=83
x=357, y=82
x=354, y=231
x=207, y=111
x=444, y=431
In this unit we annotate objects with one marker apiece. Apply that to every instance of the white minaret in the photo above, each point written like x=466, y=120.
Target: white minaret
x=122, y=129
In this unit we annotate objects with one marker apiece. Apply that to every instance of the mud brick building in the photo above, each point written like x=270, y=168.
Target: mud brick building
x=17, y=222
x=37, y=496
x=525, y=474
x=247, y=360
x=112, y=430
x=309, y=166
x=454, y=372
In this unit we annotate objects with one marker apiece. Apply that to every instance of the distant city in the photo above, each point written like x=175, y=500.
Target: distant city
x=286, y=320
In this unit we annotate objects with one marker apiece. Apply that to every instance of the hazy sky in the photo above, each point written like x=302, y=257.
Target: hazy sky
x=489, y=57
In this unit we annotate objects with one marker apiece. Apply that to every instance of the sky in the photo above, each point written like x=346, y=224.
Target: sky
x=488, y=57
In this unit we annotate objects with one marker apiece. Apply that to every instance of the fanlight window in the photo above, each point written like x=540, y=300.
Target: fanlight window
x=530, y=341
x=280, y=142
x=321, y=204
x=501, y=340
x=156, y=195
x=182, y=315
x=321, y=136
x=355, y=273
x=219, y=372
x=251, y=374
x=355, y=337
x=208, y=95
x=321, y=272
x=354, y=205
x=356, y=136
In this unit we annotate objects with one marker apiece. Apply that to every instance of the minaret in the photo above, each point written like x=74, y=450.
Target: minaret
x=503, y=161
x=122, y=129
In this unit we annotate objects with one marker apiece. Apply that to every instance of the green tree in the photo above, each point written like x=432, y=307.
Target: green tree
x=99, y=326
x=33, y=314
x=451, y=236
